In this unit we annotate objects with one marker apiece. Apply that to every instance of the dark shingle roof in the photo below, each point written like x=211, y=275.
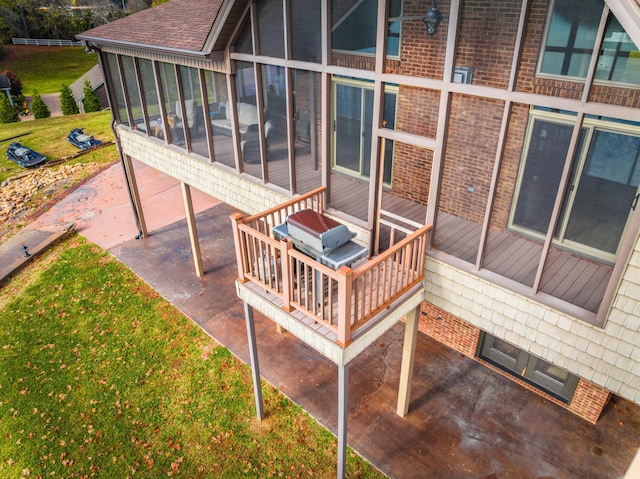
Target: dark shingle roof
x=4, y=81
x=177, y=25
x=95, y=77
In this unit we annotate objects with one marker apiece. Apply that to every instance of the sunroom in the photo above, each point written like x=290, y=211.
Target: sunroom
x=386, y=131
x=497, y=130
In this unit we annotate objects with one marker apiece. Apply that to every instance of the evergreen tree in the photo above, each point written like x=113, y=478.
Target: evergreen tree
x=39, y=107
x=7, y=113
x=91, y=101
x=68, y=103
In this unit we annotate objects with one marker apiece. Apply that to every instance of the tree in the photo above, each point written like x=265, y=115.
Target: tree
x=16, y=84
x=68, y=103
x=39, y=107
x=54, y=18
x=7, y=113
x=91, y=101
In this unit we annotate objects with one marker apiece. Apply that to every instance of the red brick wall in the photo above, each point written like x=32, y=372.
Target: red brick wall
x=474, y=127
x=353, y=61
x=588, y=400
x=420, y=54
x=486, y=39
x=417, y=111
x=448, y=329
x=411, y=172
x=628, y=97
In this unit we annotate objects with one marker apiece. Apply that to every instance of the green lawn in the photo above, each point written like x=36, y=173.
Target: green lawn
x=100, y=377
x=49, y=137
x=45, y=68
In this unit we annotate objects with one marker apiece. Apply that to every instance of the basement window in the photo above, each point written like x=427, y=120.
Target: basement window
x=547, y=377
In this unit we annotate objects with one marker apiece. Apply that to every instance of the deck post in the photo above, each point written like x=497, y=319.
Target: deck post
x=253, y=358
x=285, y=247
x=236, y=220
x=343, y=410
x=408, y=355
x=130, y=175
x=345, y=287
x=193, y=230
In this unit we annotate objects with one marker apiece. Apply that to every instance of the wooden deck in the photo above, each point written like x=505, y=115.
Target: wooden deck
x=344, y=302
x=571, y=278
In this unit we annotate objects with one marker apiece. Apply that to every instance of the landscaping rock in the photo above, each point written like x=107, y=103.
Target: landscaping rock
x=18, y=195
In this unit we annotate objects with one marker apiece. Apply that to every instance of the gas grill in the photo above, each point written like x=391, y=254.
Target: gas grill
x=321, y=238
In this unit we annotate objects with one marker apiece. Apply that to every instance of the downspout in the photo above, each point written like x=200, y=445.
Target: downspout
x=107, y=83
x=136, y=215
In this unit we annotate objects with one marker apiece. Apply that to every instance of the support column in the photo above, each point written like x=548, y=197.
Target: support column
x=408, y=355
x=343, y=412
x=193, y=231
x=253, y=357
x=130, y=178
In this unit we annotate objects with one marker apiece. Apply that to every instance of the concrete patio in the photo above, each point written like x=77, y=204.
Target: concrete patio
x=465, y=421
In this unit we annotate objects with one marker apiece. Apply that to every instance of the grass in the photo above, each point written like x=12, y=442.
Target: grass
x=45, y=68
x=49, y=137
x=100, y=377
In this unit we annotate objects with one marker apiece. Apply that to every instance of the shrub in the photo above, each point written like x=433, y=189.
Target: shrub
x=39, y=107
x=3, y=52
x=68, y=103
x=7, y=112
x=91, y=101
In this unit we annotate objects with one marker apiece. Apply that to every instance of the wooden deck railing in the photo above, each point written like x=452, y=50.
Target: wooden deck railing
x=343, y=300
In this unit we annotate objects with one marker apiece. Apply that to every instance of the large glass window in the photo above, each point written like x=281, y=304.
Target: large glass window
x=194, y=120
x=270, y=32
x=248, y=118
x=352, y=130
x=145, y=67
x=541, y=173
x=620, y=59
x=275, y=103
x=603, y=187
x=170, y=94
x=116, y=86
x=244, y=42
x=307, y=127
x=220, y=117
x=571, y=36
x=305, y=30
x=135, y=105
x=354, y=27
x=352, y=126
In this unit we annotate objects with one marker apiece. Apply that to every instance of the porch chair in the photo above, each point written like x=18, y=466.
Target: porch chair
x=190, y=107
x=250, y=144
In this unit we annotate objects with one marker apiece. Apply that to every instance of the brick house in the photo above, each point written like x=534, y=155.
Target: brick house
x=513, y=131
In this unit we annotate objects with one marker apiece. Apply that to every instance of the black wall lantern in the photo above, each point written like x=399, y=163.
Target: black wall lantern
x=432, y=19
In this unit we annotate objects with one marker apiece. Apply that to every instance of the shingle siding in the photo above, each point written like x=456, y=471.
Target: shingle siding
x=605, y=356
